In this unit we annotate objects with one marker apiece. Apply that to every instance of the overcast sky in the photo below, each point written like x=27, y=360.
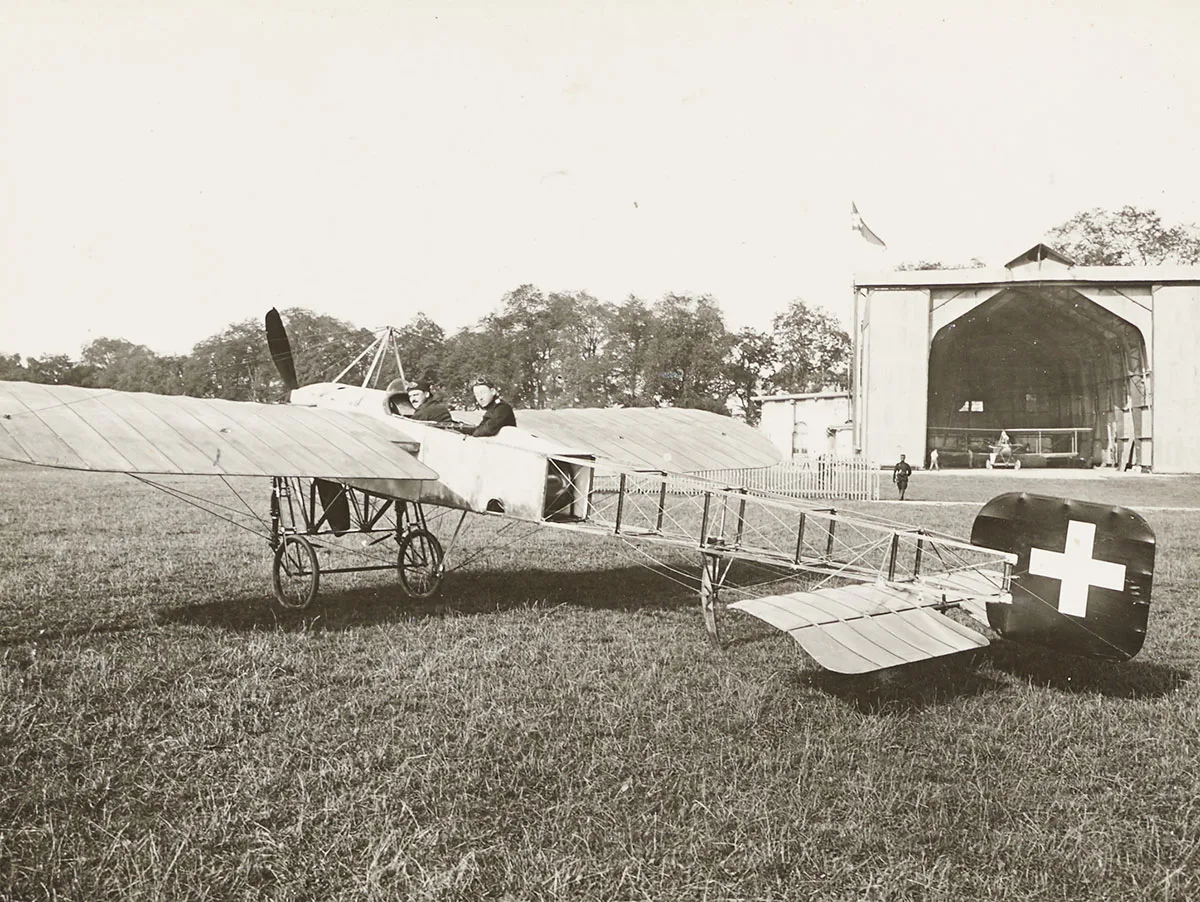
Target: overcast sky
x=169, y=168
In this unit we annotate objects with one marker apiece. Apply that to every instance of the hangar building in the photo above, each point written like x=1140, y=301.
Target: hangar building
x=1077, y=365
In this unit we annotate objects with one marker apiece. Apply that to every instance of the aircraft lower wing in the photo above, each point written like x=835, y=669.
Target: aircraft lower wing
x=672, y=439
x=860, y=628
x=135, y=432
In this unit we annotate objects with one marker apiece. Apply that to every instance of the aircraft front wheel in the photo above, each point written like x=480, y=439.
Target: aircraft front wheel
x=419, y=562
x=296, y=573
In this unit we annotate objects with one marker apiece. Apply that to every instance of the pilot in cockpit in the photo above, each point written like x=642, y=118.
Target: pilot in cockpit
x=425, y=406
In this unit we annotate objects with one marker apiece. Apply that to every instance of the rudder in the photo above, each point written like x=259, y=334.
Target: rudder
x=1083, y=575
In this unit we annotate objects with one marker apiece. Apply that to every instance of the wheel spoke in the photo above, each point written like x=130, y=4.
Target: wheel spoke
x=420, y=563
x=296, y=572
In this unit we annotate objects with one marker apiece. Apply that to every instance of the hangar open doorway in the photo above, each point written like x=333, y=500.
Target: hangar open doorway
x=1083, y=364
x=1038, y=376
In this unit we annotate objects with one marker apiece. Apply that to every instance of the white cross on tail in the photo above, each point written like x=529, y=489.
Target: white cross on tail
x=1076, y=568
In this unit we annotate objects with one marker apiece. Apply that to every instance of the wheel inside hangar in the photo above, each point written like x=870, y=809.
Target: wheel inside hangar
x=1064, y=378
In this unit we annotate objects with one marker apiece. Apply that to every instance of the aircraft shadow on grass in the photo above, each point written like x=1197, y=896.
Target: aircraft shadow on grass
x=1067, y=673
x=906, y=689
x=913, y=687
x=46, y=635
x=631, y=589
x=463, y=594
x=897, y=690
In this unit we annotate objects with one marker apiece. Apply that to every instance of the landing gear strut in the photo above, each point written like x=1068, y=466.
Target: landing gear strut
x=307, y=519
x=713, y=570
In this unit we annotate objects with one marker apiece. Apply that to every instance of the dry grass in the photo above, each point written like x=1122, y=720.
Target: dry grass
x=553, y=725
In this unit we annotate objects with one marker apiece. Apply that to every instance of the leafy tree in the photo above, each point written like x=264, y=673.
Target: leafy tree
x=1128, y=237
x=422, y=345
x=468, y=353
x=751, y=364
x=12, y=370
x=236, y=364
x=628, y=340
x=975, y=263
x=57, y=369
x=104, y=353
x=522, y=345
x=122, y=365
x=233, y=364
x=688, y=352
x=581, y=369
x=813, y=351
x=323, y=346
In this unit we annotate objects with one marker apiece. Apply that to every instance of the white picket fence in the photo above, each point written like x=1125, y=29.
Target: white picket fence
x=851, y=478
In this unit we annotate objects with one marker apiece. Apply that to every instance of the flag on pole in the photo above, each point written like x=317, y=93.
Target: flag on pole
x=857, y=225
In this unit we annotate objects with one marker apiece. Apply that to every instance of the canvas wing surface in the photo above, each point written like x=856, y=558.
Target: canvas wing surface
x=135, y=432
x=861, y=628
x=672, y=439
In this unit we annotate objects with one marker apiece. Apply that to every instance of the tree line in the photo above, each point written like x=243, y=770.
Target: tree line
x=568, y=349
x=556, y=349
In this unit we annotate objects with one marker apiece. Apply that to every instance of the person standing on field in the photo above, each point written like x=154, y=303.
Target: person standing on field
x=900, y=474
x=933, y=463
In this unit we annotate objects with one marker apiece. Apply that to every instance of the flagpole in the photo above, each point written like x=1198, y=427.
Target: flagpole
x=859, y=380
x=854, y=349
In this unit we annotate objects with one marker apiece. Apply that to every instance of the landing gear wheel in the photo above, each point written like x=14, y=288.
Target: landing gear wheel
x=295, y=574
x=419, y=563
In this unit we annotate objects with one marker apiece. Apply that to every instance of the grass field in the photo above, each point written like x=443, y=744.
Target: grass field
x=555, y=725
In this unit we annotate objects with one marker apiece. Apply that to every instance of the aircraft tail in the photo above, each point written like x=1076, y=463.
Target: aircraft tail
x=1082, y=579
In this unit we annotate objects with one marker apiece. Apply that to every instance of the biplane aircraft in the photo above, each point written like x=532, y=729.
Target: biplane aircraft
x=857, y=593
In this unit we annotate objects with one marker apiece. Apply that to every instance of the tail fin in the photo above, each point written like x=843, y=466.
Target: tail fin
x=1083, y=573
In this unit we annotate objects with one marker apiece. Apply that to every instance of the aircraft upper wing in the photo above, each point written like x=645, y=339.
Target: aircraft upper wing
x=675, y=439
x=135, y=432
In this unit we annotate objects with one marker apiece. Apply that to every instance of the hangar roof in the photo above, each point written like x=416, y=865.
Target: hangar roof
x=801, y=396
x=1038, y=264
x=1037, y=254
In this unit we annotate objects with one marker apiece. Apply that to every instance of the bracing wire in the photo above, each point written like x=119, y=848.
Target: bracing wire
x=201, y=504
x=492, y=547
x=245, y=503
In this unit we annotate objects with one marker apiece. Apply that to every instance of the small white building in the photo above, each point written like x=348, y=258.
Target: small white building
x=809, y=424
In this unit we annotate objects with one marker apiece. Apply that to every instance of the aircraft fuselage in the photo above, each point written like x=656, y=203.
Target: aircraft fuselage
x=515, y=473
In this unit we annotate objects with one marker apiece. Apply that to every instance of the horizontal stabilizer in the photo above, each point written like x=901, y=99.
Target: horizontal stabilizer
x=970, y=589
x=860, y=628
